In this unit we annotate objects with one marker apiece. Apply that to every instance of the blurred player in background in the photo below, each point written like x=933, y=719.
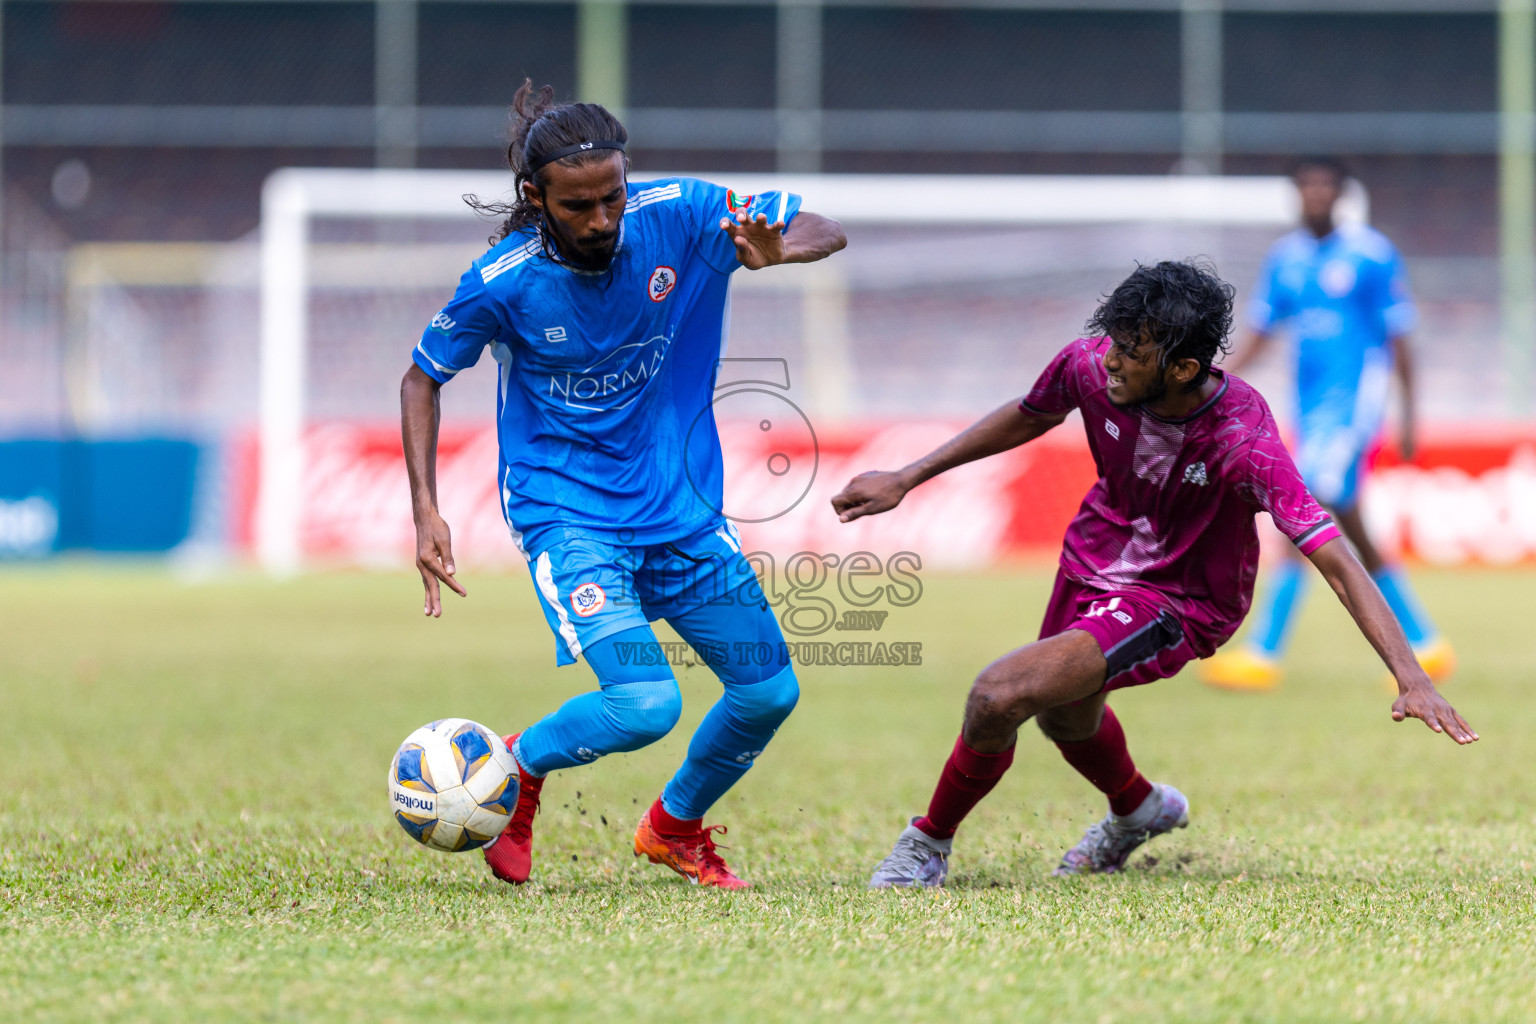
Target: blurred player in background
x=1156, y=569
x=1341, y=291
x=603, y=302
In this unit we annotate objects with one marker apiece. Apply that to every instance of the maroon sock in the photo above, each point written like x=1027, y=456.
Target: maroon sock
x=667, y=825
x=1103, y=760
x=968, y=776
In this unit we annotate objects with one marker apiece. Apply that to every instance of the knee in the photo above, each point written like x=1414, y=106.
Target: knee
x=1070, y=723
x=999, y=697
x=643, y=711
x=767, y=702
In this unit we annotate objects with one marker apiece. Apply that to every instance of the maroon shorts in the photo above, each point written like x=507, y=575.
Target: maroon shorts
x=1141, y=641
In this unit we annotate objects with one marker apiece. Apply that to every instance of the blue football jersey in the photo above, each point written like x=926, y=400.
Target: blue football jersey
x=604, y=412
x=1343, y=297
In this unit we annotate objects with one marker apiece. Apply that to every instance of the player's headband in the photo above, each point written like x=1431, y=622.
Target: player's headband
x=580, y=147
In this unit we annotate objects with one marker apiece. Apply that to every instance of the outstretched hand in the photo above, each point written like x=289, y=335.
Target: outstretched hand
x=1426, y=704
x=759, y=244
x=434, y=560
x=868, y=494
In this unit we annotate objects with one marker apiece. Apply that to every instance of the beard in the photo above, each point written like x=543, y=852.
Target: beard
x=1153, y=392
x=594, y=253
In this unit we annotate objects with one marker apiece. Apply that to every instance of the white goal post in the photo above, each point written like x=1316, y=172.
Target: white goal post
x=293, y=198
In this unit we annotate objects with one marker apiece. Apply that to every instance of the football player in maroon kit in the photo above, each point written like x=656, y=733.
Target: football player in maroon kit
x=1157, y=568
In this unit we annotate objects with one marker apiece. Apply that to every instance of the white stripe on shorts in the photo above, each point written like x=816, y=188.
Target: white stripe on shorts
x=545, y=576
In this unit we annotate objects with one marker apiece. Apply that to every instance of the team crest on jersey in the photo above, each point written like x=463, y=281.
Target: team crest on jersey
x=663, y=280
x=588, y=599
x=1194, y=473
x=736, y=203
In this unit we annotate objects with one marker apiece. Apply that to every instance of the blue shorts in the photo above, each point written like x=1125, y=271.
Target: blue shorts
x=1335, y=434
x=591, y=587
x=1332, y=463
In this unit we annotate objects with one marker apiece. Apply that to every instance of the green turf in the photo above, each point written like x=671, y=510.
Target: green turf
x=195, y=828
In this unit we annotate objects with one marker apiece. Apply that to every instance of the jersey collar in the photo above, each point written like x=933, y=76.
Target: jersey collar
x=1204, y=406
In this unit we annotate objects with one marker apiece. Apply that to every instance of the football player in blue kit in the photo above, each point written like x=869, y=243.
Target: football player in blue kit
x=604, y=304
x=1341, y=291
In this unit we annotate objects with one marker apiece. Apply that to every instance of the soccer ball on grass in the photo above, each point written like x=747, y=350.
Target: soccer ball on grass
x=453, y=785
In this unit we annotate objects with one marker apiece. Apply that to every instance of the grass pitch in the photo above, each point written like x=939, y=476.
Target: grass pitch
x=195, y=828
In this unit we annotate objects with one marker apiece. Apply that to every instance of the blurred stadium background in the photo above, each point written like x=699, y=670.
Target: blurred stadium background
x=137, y=137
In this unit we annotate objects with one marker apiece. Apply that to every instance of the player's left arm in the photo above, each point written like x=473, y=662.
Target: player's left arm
x=1417, y=696
x=1402, y=361
x=1399, y=315
x=808, y=238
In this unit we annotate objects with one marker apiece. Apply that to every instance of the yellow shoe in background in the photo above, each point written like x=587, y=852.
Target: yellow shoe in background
x=1240, y=669
x=1437, y=658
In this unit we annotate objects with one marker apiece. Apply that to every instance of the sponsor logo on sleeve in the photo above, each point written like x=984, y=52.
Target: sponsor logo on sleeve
x=663, y=280
x=588, y=599
x=442, y=323
x=736, y=203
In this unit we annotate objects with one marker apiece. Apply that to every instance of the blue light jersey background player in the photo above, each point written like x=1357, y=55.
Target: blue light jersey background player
x=1341, y=291
x=603, y=304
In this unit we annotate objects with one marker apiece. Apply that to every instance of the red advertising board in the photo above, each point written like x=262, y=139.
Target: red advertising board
x=1468, y=495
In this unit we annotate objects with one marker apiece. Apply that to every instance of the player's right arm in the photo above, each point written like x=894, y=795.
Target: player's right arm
x=1005, y=427
x=420, y=413
x=452, y=342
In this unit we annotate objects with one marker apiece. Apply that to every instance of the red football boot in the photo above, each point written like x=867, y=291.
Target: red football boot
x=692, y=856
x=511, y=855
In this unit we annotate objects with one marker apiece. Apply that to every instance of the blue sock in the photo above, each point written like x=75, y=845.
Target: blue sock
x=1400, y=598
x=729, y=739
x=740, y=639
x=1272, y=630
x=628, y=713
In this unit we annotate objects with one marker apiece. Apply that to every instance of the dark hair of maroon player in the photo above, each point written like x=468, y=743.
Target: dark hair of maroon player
x=1179, y=306
x=538, y=126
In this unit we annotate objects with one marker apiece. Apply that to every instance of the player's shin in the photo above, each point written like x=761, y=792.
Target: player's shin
x=733, y=734
x=967, y=776
x=1104, y=760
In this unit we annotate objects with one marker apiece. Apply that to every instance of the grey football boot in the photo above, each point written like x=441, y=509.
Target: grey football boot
x=1108, y=844
x=917, y=861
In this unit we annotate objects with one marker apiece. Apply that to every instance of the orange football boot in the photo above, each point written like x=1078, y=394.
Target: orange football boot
x=511, y=855
x=692, y=856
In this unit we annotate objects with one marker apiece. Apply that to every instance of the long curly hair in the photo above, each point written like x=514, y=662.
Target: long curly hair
x=1185, y=309
x=537, y=126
